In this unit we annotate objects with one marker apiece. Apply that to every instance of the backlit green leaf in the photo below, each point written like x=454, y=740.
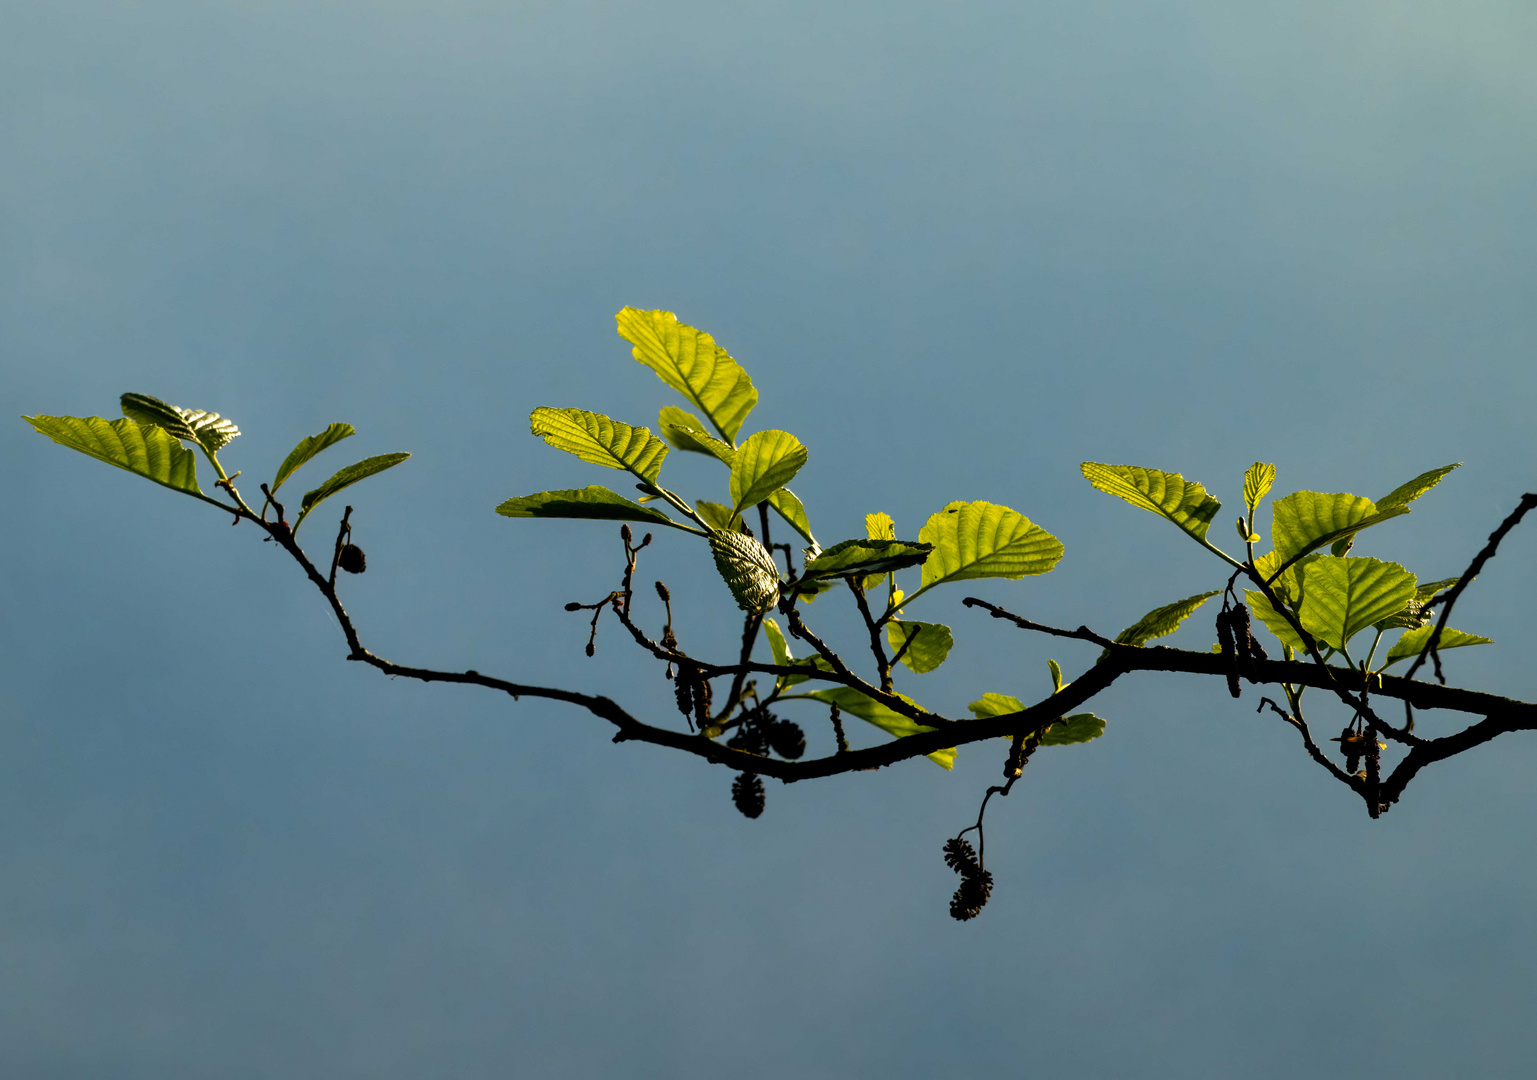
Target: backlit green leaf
x=856, y=704
x=765, y=462
x=1163, y=493
x=1407, y=493
x=1343, y=596
x=789, y=507
x=684, y=431
x=1431, y=588
x=598, y=440
x=718, y=517
x=982, y=540
x=1078, y=728
x=878, y=526
x=689, y=361
x=1161, y=621
x=1414, y=640
x=1256, y=481
x=1305, y=521
x=929, y=647
x=308, y=447
x=866, y=557
x=1273, y=620
x=1056, y=676
x=592, y=502
x=783, y=657
x=207, y=429
x=345, y=478
x=147, y=450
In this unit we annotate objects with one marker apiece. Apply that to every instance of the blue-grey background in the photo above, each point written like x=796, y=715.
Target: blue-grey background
x=961, y=247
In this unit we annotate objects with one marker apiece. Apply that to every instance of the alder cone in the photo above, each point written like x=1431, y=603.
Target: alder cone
x=747, y=793
x=352, y=559
x=748, y=569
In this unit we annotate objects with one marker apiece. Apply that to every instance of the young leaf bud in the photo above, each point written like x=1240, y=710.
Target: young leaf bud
x=573, y=606
x=1243, y=529
x=625, y=534
x=352, y=559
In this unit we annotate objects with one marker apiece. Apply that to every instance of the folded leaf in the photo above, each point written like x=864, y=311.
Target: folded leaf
x=865, y=557
x=1256, y=482
x=764, y=463
x=147, y=450
x=878, y=526
x=592, y=502
x=787, y=506
x=1343, y=596
x=718, y=517
x=308, y=447
x=1305, y=521
x=929, y=647
x=981, y=540
x=689, y=361
x=207, y=429
x=345, y=478
x=598, y=440
x=1407, y=493
x=1414, y=640
x=1161, y=621
x=1163, y=493
x=854, y=703
x=680, y=428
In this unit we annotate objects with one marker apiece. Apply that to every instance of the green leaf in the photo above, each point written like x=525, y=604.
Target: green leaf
x=685, y=431
x=981, y=540
x=593, y=502
x=1163, y=493
x=894, y=723
x=1430, y=588
x=1284, y=586
x=308, y=447
x=929, y=648
x=207, y=429
x=995, y=705
x=783, y=658
x=690, y=362
x=1162, y=621
x=1273, y=620
x=147, y=450
x=1305, y=521
x=789, y=507
x=345, y=478
x=598, y=440
x=1404, y=494
x=1078, y=728
x=1414, y=640
x=1343, y=596
x=718, y=517
x=865, y=557
x=766, y=462
x=1256, y=481
x=1056, y=676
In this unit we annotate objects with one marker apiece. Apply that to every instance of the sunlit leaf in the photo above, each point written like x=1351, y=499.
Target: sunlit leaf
x=1343, y=596
x=789, y=507
x=1305, y=521
x=866, y=557
x=1167, y=494
x=598, y=440
x=1256, y=482
x=591, y=502
x=784, y=658
x=878, y=526
x=765, y=462
x=207, y=429
x=1078, y=728
x=1056, y=676
x=982, y=540
x=689, y=361
x=1431, y=588
x=1405, y=494
x=718, y=517
x=1161, y=621
x=1273, y=620
x=146, y=450
x=308, y=447
x=345, y=478
x=1414, y=640
x=686, y=432
x=929, y=647
x=856, y=704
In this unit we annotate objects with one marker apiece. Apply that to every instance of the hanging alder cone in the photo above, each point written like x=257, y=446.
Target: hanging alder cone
x=747, y=793
x=352, y=559
x=972, y=896
x=748, y=569
x=787, y=739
